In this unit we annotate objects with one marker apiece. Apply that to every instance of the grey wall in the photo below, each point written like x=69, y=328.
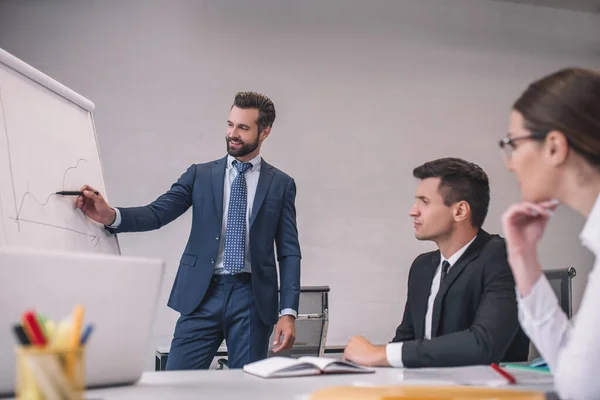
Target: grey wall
x=364, y=91
x=579, y=5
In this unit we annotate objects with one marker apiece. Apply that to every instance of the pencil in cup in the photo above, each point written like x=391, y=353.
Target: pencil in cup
x=75, y=340
x=42, y=373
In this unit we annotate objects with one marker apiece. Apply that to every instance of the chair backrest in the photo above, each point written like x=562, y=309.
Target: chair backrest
x=311, y=324
x=560, y=280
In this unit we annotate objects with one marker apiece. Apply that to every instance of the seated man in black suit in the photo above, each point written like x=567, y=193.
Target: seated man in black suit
x=461, y=305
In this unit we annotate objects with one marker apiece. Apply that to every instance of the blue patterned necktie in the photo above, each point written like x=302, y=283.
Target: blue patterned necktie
x=235, y=232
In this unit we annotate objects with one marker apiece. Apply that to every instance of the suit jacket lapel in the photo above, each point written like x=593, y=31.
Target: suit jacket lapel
x=218, y=181
x=264, y=181
x=455, y=271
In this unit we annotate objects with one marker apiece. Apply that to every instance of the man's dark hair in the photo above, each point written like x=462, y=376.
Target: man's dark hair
x=266, y=108
x=460, y=181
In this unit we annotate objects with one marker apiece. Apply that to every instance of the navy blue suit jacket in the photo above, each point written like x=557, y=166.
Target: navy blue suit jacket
x=273, y=222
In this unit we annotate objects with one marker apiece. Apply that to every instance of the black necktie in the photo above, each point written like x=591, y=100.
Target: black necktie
x=445, y=268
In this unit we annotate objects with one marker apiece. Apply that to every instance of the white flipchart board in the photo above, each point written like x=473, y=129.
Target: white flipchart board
x=47, y=143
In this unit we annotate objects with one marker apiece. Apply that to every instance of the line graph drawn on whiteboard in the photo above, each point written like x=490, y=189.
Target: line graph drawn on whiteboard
x=28, y=195
x=27, y=206
x=47, y=144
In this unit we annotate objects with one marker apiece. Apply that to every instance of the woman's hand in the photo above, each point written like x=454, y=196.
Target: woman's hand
x=524, y=224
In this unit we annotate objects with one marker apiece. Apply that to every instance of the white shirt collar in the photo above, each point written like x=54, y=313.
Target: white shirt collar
x=256, y=162
x=454, y=257
x=590, y=235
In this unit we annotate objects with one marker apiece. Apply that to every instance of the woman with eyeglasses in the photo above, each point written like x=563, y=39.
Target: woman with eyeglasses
x=553, y=148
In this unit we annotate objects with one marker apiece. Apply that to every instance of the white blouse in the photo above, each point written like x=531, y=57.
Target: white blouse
x=571, y=348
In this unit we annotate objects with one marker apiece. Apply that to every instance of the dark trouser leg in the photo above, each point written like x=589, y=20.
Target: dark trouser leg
x=246, y=335
x=198, y=336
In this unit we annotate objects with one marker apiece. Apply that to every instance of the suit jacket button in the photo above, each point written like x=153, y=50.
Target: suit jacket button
x=217, y=237
x=212, y=260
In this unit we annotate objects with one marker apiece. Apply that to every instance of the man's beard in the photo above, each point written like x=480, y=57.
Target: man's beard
x=244, y=149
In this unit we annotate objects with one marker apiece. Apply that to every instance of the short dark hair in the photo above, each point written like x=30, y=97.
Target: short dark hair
x=460, y=181
x=266, y=108
x=568, y=101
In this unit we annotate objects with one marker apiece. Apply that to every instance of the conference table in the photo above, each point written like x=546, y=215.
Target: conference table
x=235, y=384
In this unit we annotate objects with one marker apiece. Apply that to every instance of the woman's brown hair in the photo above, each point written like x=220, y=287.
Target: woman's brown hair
x=567, y=101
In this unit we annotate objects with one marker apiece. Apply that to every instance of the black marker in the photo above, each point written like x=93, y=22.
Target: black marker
x=72, y=193
x=21, y=335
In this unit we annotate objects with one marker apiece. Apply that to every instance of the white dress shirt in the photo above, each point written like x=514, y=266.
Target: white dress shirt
x=251, y=176
x=571, y=348
x=394, y=350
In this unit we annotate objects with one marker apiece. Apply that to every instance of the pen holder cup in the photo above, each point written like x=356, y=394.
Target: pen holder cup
x=44, y=373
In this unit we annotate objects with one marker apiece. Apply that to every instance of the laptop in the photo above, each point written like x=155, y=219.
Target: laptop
x=119, y=295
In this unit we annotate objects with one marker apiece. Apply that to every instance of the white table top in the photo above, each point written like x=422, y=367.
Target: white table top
x=235, y=384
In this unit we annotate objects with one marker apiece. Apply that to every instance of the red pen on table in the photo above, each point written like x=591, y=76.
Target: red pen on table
x=511, y=379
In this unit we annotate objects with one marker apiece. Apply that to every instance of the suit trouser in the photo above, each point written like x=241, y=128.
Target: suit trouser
x=228, y=311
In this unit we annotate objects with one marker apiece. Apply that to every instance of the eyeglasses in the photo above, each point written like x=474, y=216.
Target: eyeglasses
x=508, y=143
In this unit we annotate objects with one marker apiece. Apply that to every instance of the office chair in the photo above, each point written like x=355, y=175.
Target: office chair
x=560, y=280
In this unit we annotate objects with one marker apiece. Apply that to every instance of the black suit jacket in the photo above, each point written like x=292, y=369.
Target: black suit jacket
x=474, y=313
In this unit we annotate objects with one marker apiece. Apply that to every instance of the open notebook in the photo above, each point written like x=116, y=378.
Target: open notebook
x=279, y=367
